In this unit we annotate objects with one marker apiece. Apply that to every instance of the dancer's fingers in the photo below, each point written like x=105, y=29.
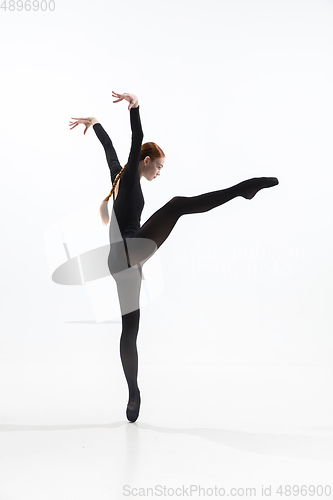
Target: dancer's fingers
x=80, y=120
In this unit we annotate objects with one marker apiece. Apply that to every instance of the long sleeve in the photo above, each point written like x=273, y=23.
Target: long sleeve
x=111, y=155
x=137, y=135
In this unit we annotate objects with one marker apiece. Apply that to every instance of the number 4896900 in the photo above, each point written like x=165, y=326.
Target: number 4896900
x=27, y=5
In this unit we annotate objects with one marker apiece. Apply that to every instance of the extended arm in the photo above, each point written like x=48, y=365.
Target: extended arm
x=137, y=136
x=131, y=169
x=111, y=155
x=105, y=140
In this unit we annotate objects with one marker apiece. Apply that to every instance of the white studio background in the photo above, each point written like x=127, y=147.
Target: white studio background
x=230, y=89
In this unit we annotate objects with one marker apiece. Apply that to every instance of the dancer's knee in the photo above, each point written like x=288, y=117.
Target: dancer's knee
x=177, y=203
x=176, y=199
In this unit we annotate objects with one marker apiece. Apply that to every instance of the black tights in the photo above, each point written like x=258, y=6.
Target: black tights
x=157, y=229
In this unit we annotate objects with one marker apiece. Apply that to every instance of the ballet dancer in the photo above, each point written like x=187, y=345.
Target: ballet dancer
x=132, y=244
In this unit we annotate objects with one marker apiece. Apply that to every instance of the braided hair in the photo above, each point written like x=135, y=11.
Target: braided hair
x=148, y=149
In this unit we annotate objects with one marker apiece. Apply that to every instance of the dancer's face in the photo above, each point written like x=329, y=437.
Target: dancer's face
x=152, y=168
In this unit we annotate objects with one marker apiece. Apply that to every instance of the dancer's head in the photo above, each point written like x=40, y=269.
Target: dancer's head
x=151, y=161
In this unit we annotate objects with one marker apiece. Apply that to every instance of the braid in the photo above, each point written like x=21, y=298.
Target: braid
x=103, y=209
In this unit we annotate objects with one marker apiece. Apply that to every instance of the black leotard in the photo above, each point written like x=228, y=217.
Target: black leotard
x=129, y=203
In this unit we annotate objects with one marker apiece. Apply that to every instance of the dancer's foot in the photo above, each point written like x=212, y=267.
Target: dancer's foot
x=252, y=186
x=133, y=408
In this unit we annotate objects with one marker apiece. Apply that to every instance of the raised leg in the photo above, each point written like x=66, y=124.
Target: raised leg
x=160, y=224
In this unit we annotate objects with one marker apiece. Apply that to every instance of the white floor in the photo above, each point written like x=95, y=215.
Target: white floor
x=64, y=434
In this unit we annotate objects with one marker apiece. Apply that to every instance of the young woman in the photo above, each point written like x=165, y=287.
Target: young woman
x=130, y=244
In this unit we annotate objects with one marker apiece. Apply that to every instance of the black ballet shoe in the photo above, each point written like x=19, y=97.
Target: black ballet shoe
x=133, y=409
x=254, y=185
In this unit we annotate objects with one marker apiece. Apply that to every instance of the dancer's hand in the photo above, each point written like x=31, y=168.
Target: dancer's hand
x=86, y=121
x=131, y=98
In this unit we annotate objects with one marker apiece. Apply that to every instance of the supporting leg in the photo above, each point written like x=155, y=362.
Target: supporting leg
x=128, y=287
x=129, y=359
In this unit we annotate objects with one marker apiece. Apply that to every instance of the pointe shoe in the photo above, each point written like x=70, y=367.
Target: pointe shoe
x=257, y=184
x=133, y=408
